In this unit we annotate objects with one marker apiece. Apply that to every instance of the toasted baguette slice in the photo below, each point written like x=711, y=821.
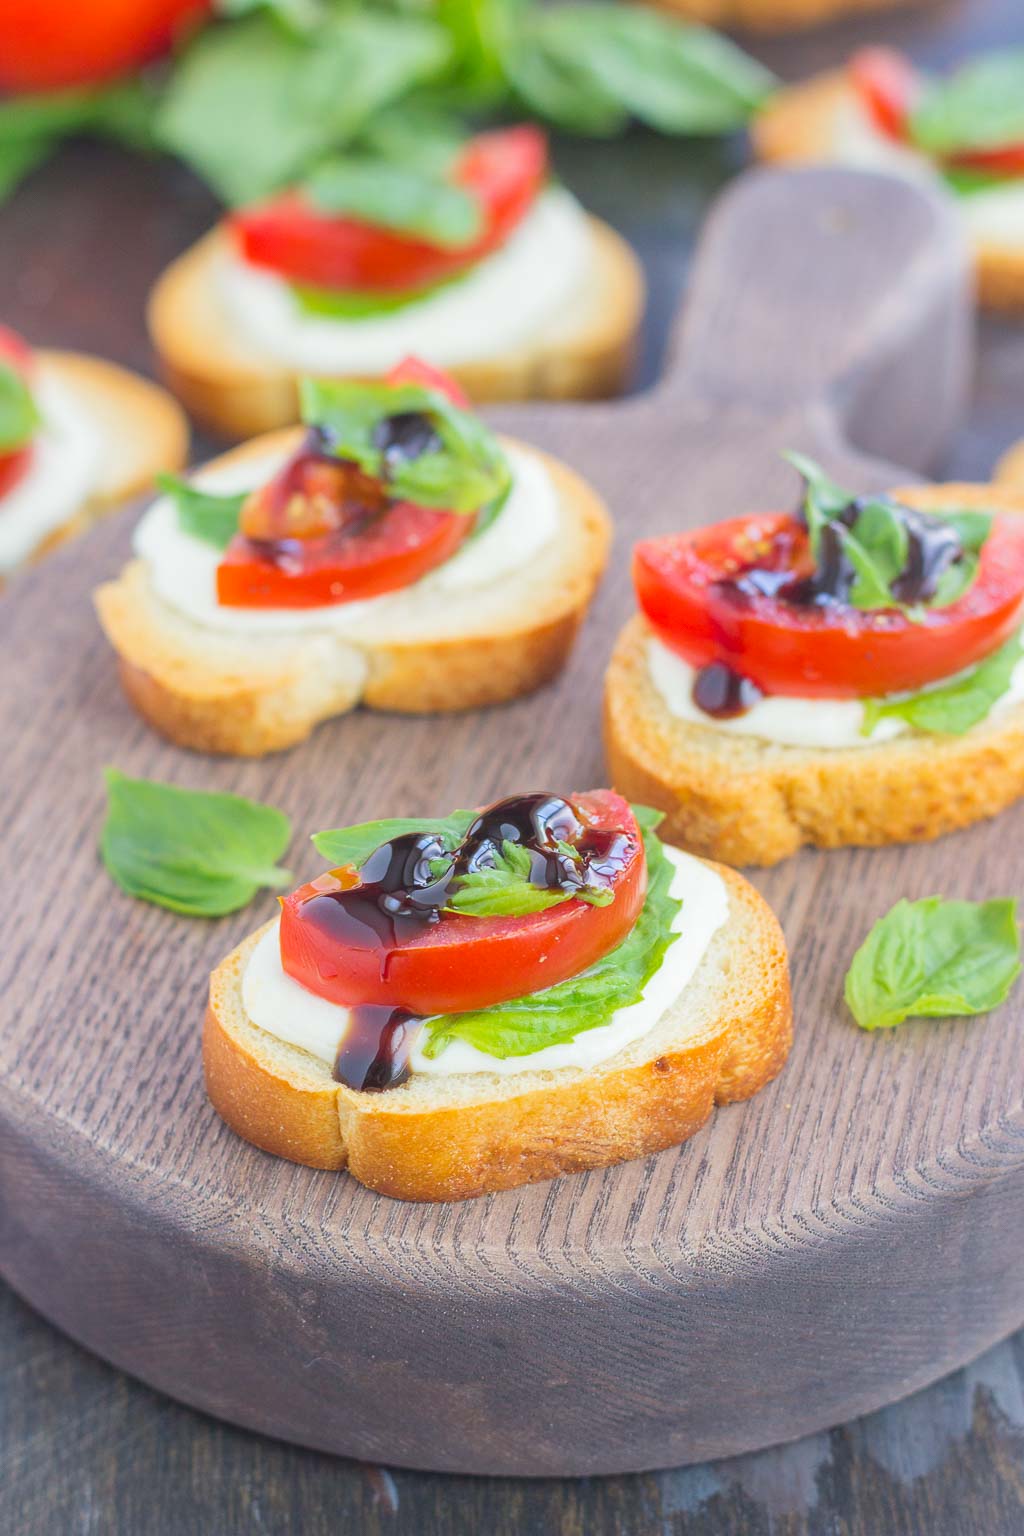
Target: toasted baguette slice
x=774, y=15
x=1010, y=469
x=142, y=430
x=232, y=388
x=799, y=125
x=453, y=1138
x=247, y=694
x=748, y=801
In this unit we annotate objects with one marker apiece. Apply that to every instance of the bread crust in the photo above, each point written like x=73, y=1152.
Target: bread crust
x=287, y=1103
x=798, y=126
x=236, y=391
x=247, y=696
x=1009, y=471
x=774, y=15
x=144, y=430
x=748, y=802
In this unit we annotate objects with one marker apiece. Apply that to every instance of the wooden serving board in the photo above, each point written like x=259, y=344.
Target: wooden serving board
x=848, y=1235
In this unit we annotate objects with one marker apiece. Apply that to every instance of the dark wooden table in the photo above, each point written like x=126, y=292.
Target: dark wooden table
x=84, y=1451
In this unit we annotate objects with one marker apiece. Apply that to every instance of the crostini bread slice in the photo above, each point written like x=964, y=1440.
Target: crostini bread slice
x=249, y=694
x=450, y=1138
x=1009, y=471
x=800, y=125
x=232, y=387
x=774, y=15
x=747, y=801
x=141, y=428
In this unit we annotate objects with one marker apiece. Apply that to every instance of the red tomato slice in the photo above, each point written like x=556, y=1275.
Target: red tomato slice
x=400, y=546
x=997, y=162
x=888, y=85
x=817, y=652
x=412, y=370
x=461, y=963
x=505, y=169
x=45, y=44
x=17, y=354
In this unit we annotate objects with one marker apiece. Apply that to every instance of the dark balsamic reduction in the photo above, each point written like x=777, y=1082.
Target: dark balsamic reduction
x=408, y=435
x=405, y=885
x=374, y=1054
x=723, y=693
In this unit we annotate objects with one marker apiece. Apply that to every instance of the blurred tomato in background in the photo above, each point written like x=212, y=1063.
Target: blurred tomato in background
x=45, y=44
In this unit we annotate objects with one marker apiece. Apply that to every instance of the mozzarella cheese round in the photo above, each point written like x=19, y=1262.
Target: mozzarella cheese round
x=62, y=473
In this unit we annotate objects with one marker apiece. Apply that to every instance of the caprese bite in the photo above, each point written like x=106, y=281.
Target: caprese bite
x=483, y=265
x=963, y=133
x=395, y=552
x=61, y=457
x=863, y=654
x=495, y=996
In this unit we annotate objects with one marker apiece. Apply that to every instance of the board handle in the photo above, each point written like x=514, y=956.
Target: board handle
x=824, y=288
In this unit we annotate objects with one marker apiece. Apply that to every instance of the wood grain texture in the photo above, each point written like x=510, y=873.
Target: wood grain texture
x=590, y=1324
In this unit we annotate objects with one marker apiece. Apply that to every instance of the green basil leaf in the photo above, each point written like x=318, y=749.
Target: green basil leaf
x=204, y=514
x=417, y=133
x=956, y=706
x=972, y=527
x=251, y=106
x=335, y=304
x=298, y=16
x=504, y=889
x=32, y=126
x=466, y=473
x=562, y=1012
x=19, y=417
x=353, y=845
x=675, y=78
x=934, y=959
x=981, y=106
x=823, y=498
x=876, y=547
x=396, y=197
x=197, y=853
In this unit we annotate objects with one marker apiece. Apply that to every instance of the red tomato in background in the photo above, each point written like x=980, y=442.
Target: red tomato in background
x=17, y=354
x=818, y=652
x=46, y=44
x=888, y=85
x=461, y=963
x=504, y=169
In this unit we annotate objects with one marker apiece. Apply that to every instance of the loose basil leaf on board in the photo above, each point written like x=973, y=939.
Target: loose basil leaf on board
x=981, y=106
x=19, y=417
x=252, y=106
x=586, y=1001
x=353, y=845
x=468, y=471
x=956, y=706
x=934, y=959
x=396, y=197
x=204, y=514
x=191, y=851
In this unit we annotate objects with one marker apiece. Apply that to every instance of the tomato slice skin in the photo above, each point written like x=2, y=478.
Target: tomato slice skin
x=45, y=44
x=461, y=963
x=413, y=370
x=833, y=651
x=888, y=86
x=17, y=354
x=401, y=546
x=504, y=168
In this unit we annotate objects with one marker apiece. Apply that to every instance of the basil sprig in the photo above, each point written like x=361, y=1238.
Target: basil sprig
x=204, y=514
x=468, y=471
x=956, y=706
x=979, y=107
x=934, y=959
x=402, y=198
x=877, y=544
x=197, y=853
x=19, y=416
x=32, y=126
x=584, y=1002
x=342, y=846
